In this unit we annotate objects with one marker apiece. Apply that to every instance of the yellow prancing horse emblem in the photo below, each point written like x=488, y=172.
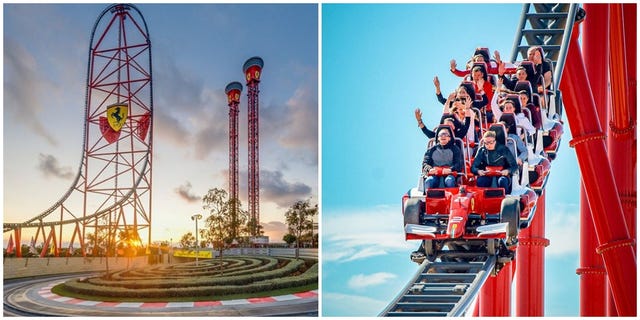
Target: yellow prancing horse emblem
x=116, y=115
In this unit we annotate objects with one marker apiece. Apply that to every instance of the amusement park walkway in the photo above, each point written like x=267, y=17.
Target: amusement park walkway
x=36, y=298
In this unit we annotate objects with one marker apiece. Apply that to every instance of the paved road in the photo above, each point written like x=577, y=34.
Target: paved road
x=33, y=297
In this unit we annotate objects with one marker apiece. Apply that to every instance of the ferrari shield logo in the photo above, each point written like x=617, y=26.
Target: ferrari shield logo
x=116, y=115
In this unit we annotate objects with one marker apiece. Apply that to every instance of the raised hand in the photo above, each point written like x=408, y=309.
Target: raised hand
x=418, y=114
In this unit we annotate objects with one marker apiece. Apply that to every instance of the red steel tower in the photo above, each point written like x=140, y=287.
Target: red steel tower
x=252, y=69
x=233, y=91
x=111, y=193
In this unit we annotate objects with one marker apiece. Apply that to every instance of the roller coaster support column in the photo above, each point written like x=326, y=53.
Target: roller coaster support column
x=495, y=295
x=616, y=247
x=530, y=269
x=621, y=138
x=17, y=237
x=593, y=288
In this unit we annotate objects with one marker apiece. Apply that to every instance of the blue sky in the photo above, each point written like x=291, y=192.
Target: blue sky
x=197, y=50
x=378, y=64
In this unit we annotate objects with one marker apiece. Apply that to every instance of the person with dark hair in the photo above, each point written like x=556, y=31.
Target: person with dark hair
x=443, y=154
x=480, y=55
x=460, y=126
x=510, y=83
x=492, y=154
x=512, y=106
x=536, y=116
x=481, y=83
x=542, y=68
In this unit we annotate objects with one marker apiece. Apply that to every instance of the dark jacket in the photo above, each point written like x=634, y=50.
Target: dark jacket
x=433, y=157
x=460, y=128
x=499, y=157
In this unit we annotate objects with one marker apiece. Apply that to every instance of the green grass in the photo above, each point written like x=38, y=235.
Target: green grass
x=60, y=290
x=134, y=286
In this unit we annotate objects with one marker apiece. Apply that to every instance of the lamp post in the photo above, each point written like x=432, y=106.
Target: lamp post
x=197, y=217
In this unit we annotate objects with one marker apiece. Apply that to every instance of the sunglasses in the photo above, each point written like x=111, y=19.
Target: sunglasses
x=444, y=135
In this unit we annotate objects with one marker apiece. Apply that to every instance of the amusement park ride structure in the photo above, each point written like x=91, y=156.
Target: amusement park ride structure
x=233, y=91
x=111, y=193
x=112, y=190
x=449, y=280
x=252, y=69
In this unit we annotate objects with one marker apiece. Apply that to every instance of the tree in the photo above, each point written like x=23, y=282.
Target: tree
x=289, y=238
x=97, y=241
x=300, y=219
x=225, y=220
x=187, y=241
x=237, y=218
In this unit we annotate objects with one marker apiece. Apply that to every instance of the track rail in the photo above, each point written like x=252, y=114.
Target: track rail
x=441, y=289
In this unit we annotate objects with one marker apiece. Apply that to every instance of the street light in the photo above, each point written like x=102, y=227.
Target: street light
x=196, y=217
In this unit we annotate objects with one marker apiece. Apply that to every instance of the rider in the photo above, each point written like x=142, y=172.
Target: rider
x=443, y=154
x=494, y=154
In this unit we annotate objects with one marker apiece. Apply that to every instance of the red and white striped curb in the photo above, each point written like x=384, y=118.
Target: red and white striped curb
x=46, y=293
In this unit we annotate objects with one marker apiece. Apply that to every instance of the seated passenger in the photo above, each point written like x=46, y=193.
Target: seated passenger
x=443, y=154
x=460, y=125
x=496, y=155
x=480, y=55
x=510, y=83
x=512, y=106
x=542, y=68
x=536, y=117
x=520, y=149
x=473, y=131
x=466, y=90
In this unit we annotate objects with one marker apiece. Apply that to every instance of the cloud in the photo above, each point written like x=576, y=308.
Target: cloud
x=361, y=281
x=49, y=165
x=363, y=233
x=169, y=129
x=184, y=191
x=275, y=230
x=294, y=123
x=562, y=229
x=23, y=87
x=214, y=137
x=276, y=189
x=302, y=129
x=188, y=112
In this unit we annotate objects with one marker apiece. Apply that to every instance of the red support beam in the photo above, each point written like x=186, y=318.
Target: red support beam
x=593, y=287
x=530, y=271
x=615, y=245
x=621, y=142
x=18, y=236
x=630, y=12
x=495, y=294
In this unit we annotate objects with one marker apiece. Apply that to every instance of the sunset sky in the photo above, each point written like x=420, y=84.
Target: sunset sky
x=197, y=50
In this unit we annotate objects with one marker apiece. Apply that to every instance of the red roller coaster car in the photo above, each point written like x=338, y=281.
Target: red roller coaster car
x=466, y=220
